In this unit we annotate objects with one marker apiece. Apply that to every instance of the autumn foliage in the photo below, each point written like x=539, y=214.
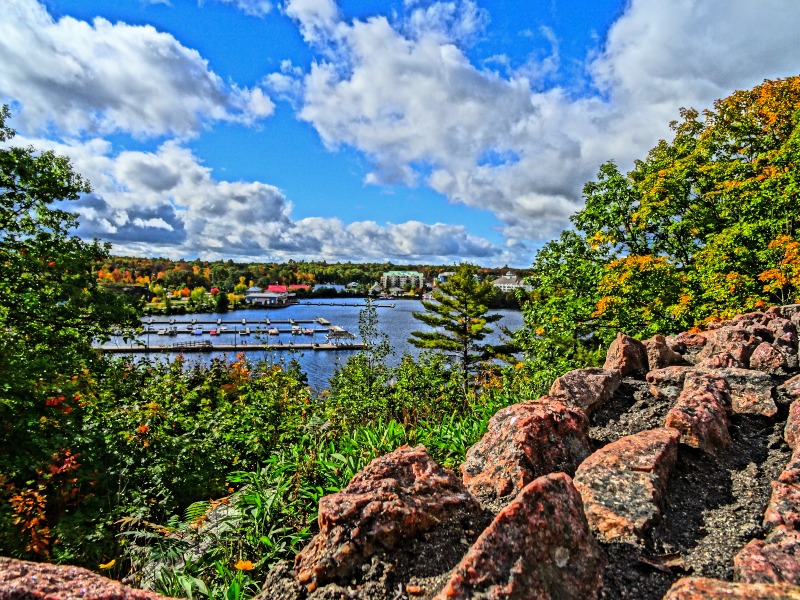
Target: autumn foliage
x=702, y=228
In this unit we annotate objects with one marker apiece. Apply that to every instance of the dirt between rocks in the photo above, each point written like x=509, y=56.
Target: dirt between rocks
x=713, y=507
x=714, y=504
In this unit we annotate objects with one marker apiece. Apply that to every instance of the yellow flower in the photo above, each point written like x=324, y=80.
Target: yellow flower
x=244, y=565
x=109, y=564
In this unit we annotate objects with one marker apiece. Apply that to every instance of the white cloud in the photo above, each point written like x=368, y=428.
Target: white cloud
x=317, y=18
x=255, y=8
x=166, y=203
x=103, y=77
x=408, y=97
x=454, y=22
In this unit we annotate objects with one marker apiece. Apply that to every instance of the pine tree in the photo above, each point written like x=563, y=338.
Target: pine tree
x=459, y=318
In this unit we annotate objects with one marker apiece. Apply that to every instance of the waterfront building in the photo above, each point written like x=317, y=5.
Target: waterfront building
x=510, y=282
x=398, y=279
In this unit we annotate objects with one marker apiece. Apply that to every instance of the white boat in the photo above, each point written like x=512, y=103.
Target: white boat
x=273, y=331
x=308, y=331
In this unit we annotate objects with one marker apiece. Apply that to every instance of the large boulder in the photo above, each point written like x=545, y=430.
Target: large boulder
x=395, y=497
x=586, y=389
x=623, y=483
x=525, y=441
x=701, y=413
x=539, y=546
x=783, y=508
x=22, y=580
x=628, y=356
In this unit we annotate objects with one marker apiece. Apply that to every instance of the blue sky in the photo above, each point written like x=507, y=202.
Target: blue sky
x=409, y=131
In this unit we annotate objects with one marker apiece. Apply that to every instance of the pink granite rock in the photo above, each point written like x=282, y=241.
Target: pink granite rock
x=789, y=391
x=586, y=389
x=791, y=432
x=768, y=359
x=700, y=414
x=783, y=508
x=688, y=344
x=393, y=498
x=628, y=356
x=622, y=483
x=701, y=588
x=667, y=384
x=721, y=360
x=660, y=354
x=525, y=441
x=751, y=391
x=775, y=559
x=22, y=580
x=539, y=546
x=739, y=343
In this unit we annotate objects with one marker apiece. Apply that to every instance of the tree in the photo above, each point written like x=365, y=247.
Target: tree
x=52, y=307
x=359, y=389
x=459, y=318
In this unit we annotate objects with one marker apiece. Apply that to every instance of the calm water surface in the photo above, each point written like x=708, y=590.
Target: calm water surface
x=397, y=323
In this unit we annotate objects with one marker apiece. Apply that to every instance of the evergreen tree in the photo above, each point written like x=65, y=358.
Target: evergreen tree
x=459, y=317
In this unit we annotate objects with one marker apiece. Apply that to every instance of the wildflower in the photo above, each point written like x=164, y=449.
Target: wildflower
x=518, y=366
x=143, y=428
x=109, y=564
x=244, y=565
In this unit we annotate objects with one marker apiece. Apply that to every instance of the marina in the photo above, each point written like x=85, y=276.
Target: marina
x=262, y=330
x=319, y=353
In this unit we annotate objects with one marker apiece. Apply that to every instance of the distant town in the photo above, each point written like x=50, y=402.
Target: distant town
x=175, y=287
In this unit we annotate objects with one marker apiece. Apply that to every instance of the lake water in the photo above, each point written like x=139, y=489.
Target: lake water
x=397, y=323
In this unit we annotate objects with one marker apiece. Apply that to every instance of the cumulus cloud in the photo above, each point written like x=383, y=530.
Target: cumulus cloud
x=407, y=96
x=101, y=77
x=166, y=202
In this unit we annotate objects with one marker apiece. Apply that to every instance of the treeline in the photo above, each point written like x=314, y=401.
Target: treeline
x=226, y=275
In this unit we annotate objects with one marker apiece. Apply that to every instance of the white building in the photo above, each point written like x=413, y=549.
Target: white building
x=510, y=282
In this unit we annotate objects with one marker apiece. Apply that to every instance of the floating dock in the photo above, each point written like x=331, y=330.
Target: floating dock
x=183, y=347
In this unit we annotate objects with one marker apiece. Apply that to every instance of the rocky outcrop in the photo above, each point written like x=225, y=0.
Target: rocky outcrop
x=539, y=546
x=623, y=483
x=712, y=391
x=394, y=498
x=22, y=580
x=523, y=442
